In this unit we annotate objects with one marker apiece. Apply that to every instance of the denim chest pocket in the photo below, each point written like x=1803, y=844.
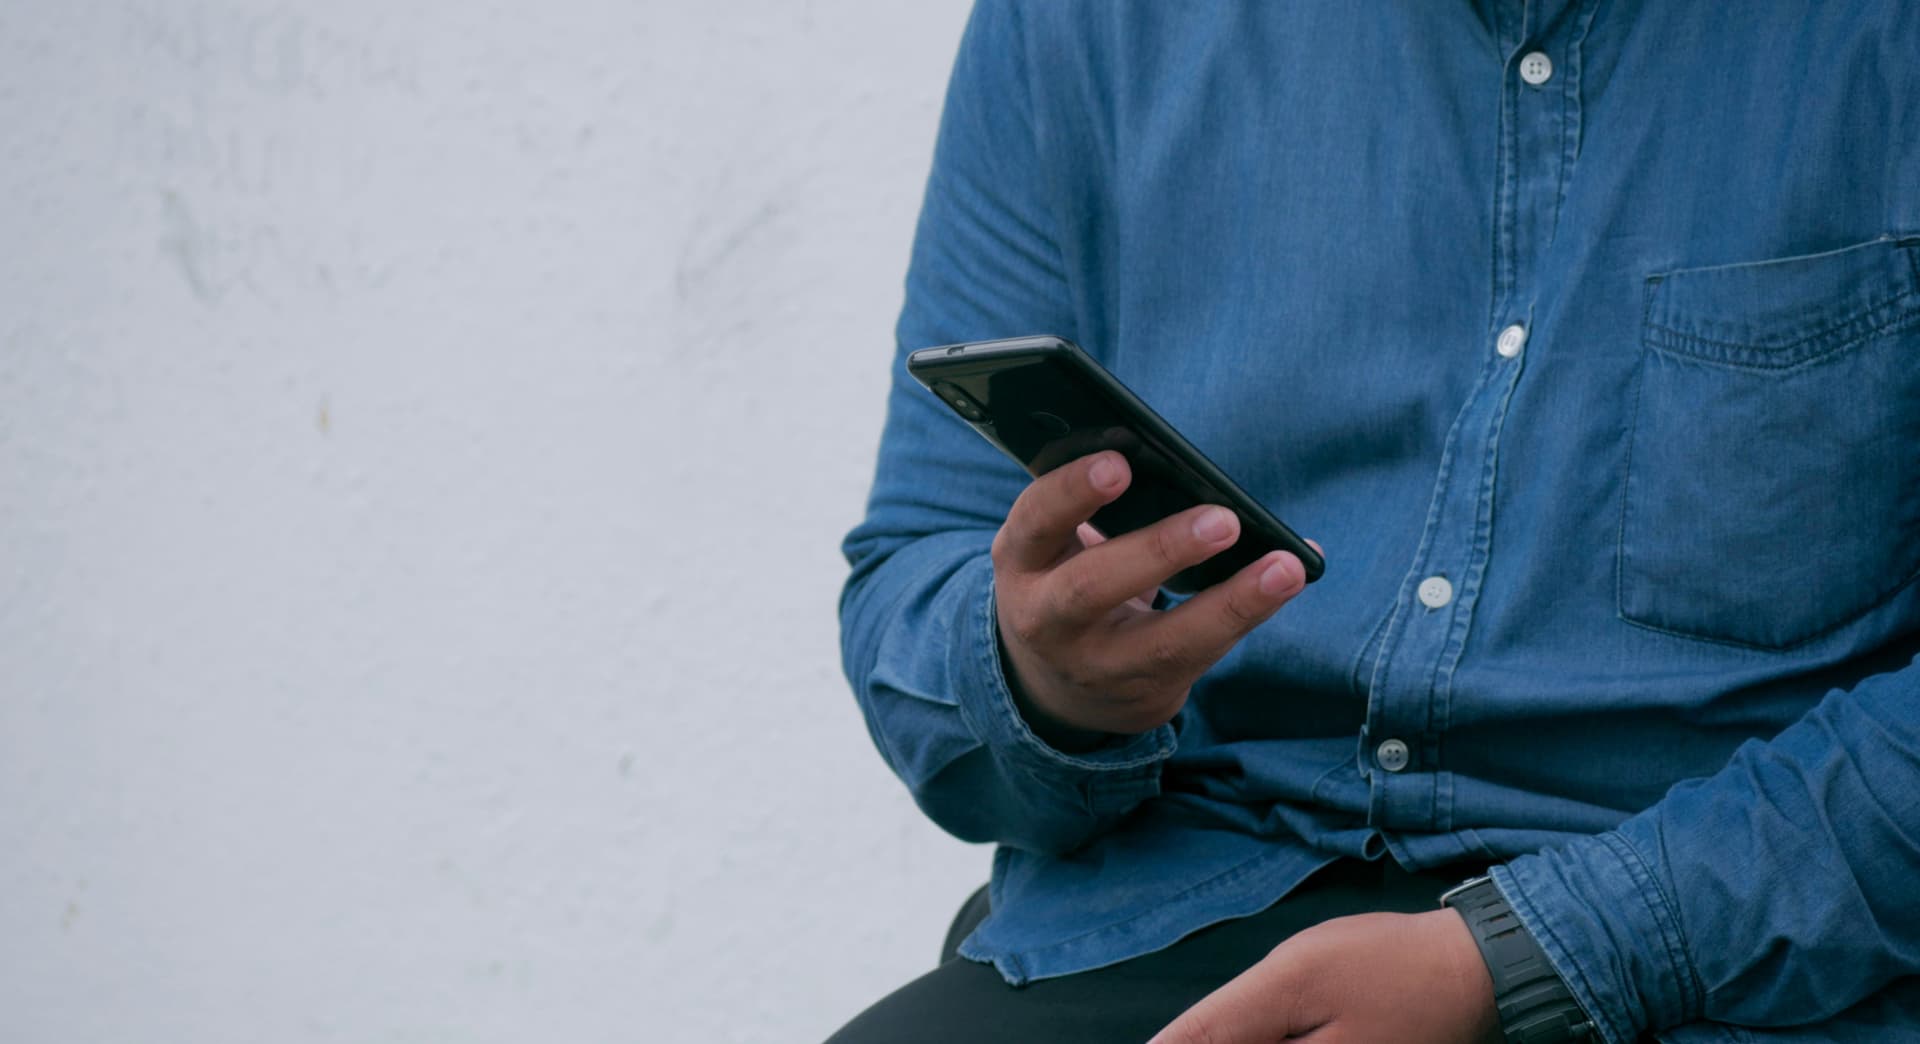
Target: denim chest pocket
x=1773, y=476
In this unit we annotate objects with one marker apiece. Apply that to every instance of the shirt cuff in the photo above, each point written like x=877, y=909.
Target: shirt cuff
x=1609, y=928
x=1118, y=773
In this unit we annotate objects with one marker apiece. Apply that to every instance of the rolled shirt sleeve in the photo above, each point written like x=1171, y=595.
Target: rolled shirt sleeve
x=1778, y=892
x=939, y=708
x=918, y=634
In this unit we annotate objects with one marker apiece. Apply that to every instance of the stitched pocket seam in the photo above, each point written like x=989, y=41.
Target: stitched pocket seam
x=1889, y=316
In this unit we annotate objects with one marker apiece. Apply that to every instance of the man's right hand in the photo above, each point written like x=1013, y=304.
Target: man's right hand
x=1086, y=654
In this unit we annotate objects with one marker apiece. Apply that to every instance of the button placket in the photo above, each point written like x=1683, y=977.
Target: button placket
x=1412, y=683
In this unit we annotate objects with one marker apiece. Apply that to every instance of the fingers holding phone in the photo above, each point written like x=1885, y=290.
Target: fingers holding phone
x=1042, y=527
x=1090, y=536
x=1085, y=653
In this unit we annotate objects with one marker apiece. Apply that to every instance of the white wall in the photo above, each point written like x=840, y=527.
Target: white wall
x=426, y=430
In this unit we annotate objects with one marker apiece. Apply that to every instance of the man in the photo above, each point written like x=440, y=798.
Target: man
x=1585, y=334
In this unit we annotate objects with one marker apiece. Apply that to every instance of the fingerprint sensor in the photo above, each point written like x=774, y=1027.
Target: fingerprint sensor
x=1049, y=423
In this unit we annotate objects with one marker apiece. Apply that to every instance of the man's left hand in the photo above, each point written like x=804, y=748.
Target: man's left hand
x=1370, y=979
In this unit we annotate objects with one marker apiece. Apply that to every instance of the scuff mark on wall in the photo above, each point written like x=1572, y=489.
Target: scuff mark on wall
x=275, y=51
x=211, y=265
x=707, y=251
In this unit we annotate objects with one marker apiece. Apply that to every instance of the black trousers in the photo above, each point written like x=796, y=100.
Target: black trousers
x=1126, y=1003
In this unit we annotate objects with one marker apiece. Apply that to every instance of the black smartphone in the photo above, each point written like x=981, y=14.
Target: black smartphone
x=1045, y=402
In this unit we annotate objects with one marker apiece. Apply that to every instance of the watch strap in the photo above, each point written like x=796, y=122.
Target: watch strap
x=1535, y=1005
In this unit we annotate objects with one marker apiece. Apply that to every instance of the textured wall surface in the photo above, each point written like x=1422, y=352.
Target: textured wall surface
x=425, y=434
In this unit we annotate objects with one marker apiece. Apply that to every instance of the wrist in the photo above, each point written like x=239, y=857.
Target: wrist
x=1055, y=733
x=1471, y=981
x=1050, y=729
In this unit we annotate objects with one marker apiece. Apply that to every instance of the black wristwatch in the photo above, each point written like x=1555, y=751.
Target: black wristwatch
x=1535, y=1005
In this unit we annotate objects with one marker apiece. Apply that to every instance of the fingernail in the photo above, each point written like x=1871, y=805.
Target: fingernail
x=1105, y=472
x=1283, y=574
x=1213, y=525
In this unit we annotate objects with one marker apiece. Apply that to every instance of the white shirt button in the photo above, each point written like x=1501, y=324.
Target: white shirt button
x=1512, y=339
x=1392, y=755
x=1536, y=68
x=1435, y=592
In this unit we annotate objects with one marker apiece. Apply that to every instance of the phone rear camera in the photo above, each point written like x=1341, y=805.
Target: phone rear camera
x=961, y=402
x=1052, y=424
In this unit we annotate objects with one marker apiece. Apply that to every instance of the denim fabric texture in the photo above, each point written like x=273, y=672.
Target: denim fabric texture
x=1673, y=693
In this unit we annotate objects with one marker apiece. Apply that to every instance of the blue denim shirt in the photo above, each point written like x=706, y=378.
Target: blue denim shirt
x=1669, y=682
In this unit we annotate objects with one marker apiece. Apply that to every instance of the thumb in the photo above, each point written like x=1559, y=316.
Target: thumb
x=1258, y=1007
